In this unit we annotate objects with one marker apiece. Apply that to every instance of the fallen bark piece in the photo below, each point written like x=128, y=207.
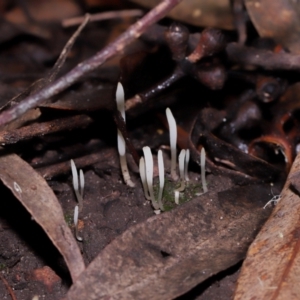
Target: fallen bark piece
x=44, y=128
x=38, y=198
x=169, y=254
x=272, y=267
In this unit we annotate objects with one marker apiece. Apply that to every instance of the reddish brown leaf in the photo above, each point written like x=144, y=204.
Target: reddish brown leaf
x=272, y=267
x=38, y=198
x=47, y=276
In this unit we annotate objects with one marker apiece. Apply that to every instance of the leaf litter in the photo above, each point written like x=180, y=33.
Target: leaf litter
x=169, y=254
x=243, y=134
x=38, y=198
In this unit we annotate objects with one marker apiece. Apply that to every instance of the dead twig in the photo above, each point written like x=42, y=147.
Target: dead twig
x=51, y=171
x=63, y=55
x=131, y=34
x=104, y=16
x=8, y=287
x=41, y=129
x=263, y=58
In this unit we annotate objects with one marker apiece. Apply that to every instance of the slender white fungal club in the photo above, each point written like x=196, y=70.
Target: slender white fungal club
x=181, y=163
x=176, y=197
x=81, y=180
x=120, y=99
x=187, y=159
x=142, y=169
x=77, y=189
x=161, y=170
x=76, y=223
x=149, y=175
x=74, y=175
x=173, y=141
x=202, y=164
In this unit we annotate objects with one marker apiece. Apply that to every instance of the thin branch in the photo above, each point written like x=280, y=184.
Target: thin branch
x=8, y=287
x=131, y=34
x=263, y=58
x=44, y=128
x=108, y=15
x=63, y=56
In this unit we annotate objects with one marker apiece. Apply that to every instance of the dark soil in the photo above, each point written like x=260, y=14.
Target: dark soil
x=110, y=207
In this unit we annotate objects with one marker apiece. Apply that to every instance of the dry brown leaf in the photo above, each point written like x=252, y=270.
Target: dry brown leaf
x=41, y=11
x=278, y=20
x=272, y=267
x=38, y=198
x=169, y=254
x=200, y=12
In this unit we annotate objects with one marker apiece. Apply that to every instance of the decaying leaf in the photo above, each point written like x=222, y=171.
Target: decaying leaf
x=278, y=20
x=38, y=198
x=200, y=12
x=227, y=159
x=169, y=254
x=272, y=267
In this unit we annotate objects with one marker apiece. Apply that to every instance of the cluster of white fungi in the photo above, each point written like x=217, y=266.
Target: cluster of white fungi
x=146, y=167
x=146, y=162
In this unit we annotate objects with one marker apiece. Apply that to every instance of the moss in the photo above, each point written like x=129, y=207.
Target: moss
x=69, y=219
x=191, y=189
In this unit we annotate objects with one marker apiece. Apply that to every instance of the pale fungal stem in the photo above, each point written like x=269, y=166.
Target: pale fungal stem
x=177, y=197
x=142, y=169
x=173, y=141
x=120, y=99
x=202, y=164
x=81, y=180
x=123, y=160
x=76, y=223
x=187, y=159
x=74, y=175
x=181, y=163
x=161, y=171
x=275, y=200
x=78, y=190
x=149, y=175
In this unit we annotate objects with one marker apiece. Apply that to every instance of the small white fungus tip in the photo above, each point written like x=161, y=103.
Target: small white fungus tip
x=203, y=175
x=176, y=195
x=82, y=182
x=78, y=185
x=120, y=99
x=121, y=144
x=149, y=174
x=161, y=170
x=74, y=175
x=181, y=163
x=173, y=141
x=186, y=165
x=142, y=169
